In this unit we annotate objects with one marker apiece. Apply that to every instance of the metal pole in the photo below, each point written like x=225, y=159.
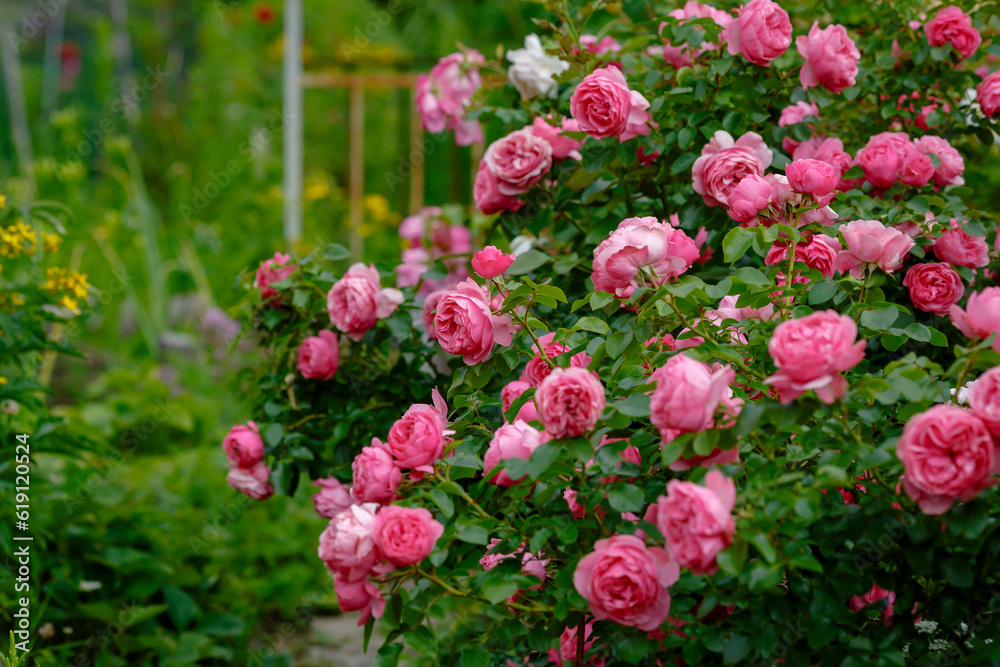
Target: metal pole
x=293, y=120
x=18, y=112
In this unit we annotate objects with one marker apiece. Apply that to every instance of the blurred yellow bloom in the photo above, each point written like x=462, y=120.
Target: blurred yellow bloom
x=51, y=242
x=378, y=208
x=317, y=190
x=69, y=302
x=3, y=201
x=17, y=239
x=3, y=380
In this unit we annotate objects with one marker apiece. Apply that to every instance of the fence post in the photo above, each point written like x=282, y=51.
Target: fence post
x=416, y=157
x=356, y=174
x=292, y=122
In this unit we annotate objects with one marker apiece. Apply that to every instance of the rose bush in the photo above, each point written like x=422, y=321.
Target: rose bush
x=703, y=399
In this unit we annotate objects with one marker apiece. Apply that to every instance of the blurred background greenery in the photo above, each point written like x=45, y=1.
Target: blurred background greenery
x=136, y=109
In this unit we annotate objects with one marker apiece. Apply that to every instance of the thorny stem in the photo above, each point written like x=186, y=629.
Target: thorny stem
x=459, y=593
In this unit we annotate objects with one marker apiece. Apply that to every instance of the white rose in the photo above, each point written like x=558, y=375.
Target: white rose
x=532, y=70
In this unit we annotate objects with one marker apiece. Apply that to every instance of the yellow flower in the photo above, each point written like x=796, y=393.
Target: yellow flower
x=77, y=283
x=69, y=302
x=51, y=242
x=378, y=207
x=3, y=380
x=3, y=201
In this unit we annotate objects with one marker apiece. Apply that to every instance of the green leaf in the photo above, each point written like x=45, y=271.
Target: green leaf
x=764, y=546
x=541, y=459
x=736, y=649
x=497, y=590
x=528, y=262
x=336, y=252
x=443, y=502
x=474, y=535
x=636, y=405
x=957, y=571
x=918, y=331
x=632, y=648
x=627, y=498
x=273, y=434
x=180, y=606
x=599, y=300
x=822, y=291
x=221, y=625
x=591, y=324
x=737, y=242
x=751, y=276
x=880, y=319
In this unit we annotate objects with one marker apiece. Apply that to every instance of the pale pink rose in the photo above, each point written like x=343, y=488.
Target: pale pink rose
x=749, y=198
x=358, y=300
x=347, y=546
x=432, y=109
x=429, y=310
x=490, y=262
x=562, y=146
x=883, y=156
x=465, y=324
x=487, y=196
x=253, y=482
x=917, y=170
x=981, y=316
x=243, y=445
x=810, y=353
x=696, y=521
x=988, y=94
x=443, y=97
x=362, y=595
x=869, y=242
x=448, y=239
x=511, y=441
x=414, y=265
x=831, y=58
x=831, y=151
x=724, y=162
x=796, y=113
x=812, y=177
x=510, y=393
x=951, y=166
x=271, y=271
x=531, y=564
x=957, y=247
x=467, y=132
x=947, y=455
x=332, y=498
x=569, y=402
x=952, y=25
x=376, y=476
x=629, y=454
x=820, y=254
x=684, y=56
x=603, y=106
x=984, y=400
x=624, y=581
x=728, y=310
x=518, y=161
x=566, y=654
x=319, y=356
x=405, y=535
x=934, y=288
x=859, y=602
x=537, y=369
x=641, y=251
x=599, y=47
x=417, y=439
x=761, y=32
x=687, y=395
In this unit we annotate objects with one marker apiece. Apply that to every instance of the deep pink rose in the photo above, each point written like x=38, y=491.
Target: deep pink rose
x=831, y=58
x=988, y=94
x=358, y=300
x=562, y=146
x=518, y=161
x=883, y=157
x=487, y=196
x=688, y=394
x=641, y=251
x=811, y=352
x=271, y=271
x=319, y=356
x=362, y=595
x=984, y=400
x=696, y=521
x=510, y=393
x=812, y=177
x=490, y=262
x=569, y=402
x=347, y=545
x=624, y=581
x=684, y=55
x=951, y=165
x=947, y=455
x=537, y=369
x=332, y=498
x=820, y=254
x=724, y=162
x=511, y=441
x=253, y=482
x=957, y=247
x=917, y=170
x=859, y=602
x=417, y=439
x=869, y=242
x=465, y=324
x=981, y=316
x=831, y=151
x=934, y=288
x=428, y=311
x=952, y=25
x=405, y=535
x=566, y=654
x=243, y=445
x=752, y=195
x=603, y=106
x=376, y=476
x=796, y=113
x=761, y=32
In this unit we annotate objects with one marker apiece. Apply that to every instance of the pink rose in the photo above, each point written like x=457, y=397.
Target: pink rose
x=362, y=595
x=346, y=546
x=934, y=288
x=988, y=94
x=566, y=654
x=641, y=251
x=271, y=271
x=917, y=170
x=951, y=165
x=684, y=55
x=869, y=242
x=761, y=32
x=984, y=400
x=511, y=441
x=810, y=352
x=725, y=161
x=357, y=301
x=947, y=455
x=697, y=521
x=537, y=369
x=405, y=535
x=957, y=247
x=607, y=44
x=518, y=161
x=490, y=262
x=688, y=394
x=319, y=356
x=253, y=482
x=243, y=445
x=625, y=582
x=376, y=476
x=629, y=454
x=562, y=147
x=465, y=324
x=428, y=311
x=417, y=439
x=604, y=106
x=831, y=151
x=952, y=25
x=443, y=97
x=981, y=316
x=793, y=114
x=531, y=564
x=510, y=393
x=414, y=265
x=487, y=196
x=883, y=156
x=749, y=198
x=831, y=58
x=728, y=310
x=569, y=402
x=820, y=254
x=859, y=602
x=812, y=177
x=332, y=498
